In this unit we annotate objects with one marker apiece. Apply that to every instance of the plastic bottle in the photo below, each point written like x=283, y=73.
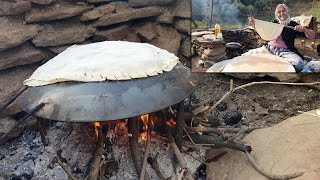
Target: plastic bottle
x=219, y=36
x=217, y=29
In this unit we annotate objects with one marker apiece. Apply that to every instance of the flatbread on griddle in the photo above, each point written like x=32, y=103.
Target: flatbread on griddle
x=108, y=60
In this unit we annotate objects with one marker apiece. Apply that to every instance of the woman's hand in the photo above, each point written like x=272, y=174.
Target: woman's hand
x=300, y=28
x=251, y=21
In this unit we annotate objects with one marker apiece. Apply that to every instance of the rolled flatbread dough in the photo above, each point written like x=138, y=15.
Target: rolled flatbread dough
x=108, y=60
x=268, y=31
x=258, y=63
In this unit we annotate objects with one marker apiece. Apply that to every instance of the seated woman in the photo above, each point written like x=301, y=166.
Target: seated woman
x=283, y=46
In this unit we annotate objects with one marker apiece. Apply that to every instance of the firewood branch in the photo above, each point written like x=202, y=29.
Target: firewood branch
x=269, y=175
x=203, y=129
x=146, y=153
x=56, y=159
x=181, y=161
x=134, y=143
x=96, y=160
x=218, y=142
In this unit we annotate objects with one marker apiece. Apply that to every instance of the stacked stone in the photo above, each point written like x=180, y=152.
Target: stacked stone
x=247, y=37
x=37, y=30
x=208, y=48
x=33, y=30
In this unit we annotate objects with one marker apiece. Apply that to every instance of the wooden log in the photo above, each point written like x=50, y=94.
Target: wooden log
x=96, y=159
x=134, y=143
x=180, y=125
x=42, y=131
x=181, y=161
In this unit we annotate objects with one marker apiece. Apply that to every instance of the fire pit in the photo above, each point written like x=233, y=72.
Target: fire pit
x=109, y=93
x=115, y=100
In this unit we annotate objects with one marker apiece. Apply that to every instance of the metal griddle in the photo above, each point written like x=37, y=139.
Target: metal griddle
x=110, y=100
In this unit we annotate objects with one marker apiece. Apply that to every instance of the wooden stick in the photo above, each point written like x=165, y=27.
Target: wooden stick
x=200, y=109
x=96, y=159
x=218, y=130
x=134, y=143
x=181, y=174
x=229, y=84
x=180, y=125
x=56, y=159
x=218, y=142
x=238, y=134
x=251, y=84
x=194, y=146
x=291, y=27
x=146, y=153
x=182, y=163
x=190, y=138
x=269, y=175
x=42, y=131
x=23, y=88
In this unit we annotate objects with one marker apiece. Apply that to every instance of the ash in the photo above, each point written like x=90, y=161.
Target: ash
x=27, y=158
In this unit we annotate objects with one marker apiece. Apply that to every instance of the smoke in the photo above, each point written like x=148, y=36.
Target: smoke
x=224, y=11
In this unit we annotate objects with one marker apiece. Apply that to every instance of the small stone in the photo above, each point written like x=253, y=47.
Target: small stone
x=232, y=117
x=222, y=106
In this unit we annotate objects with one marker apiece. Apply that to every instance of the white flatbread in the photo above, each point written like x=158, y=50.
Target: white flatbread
x=268, y=31
x=108, y=60
x=259, y=63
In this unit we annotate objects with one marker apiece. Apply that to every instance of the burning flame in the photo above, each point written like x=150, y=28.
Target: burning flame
x=96, y=125
x=171, y=123
x=145, y=119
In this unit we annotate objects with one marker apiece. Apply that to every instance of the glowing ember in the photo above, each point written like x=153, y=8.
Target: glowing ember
x=143, y=137
x=96, y=125
x=171, y=123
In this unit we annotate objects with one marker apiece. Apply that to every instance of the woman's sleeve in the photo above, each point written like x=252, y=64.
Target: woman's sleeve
x=300, y=34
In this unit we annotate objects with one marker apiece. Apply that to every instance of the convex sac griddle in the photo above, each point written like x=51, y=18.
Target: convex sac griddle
x=109, y=100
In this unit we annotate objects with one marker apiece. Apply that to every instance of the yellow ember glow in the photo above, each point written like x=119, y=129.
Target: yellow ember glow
x=96, y=125
x=143, y=137
x=145, y=119
x=171, y=123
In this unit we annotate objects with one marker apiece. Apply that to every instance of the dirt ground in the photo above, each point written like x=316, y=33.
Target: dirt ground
x=260, y=105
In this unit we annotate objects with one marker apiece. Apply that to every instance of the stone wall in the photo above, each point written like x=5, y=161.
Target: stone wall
x=34, y=31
